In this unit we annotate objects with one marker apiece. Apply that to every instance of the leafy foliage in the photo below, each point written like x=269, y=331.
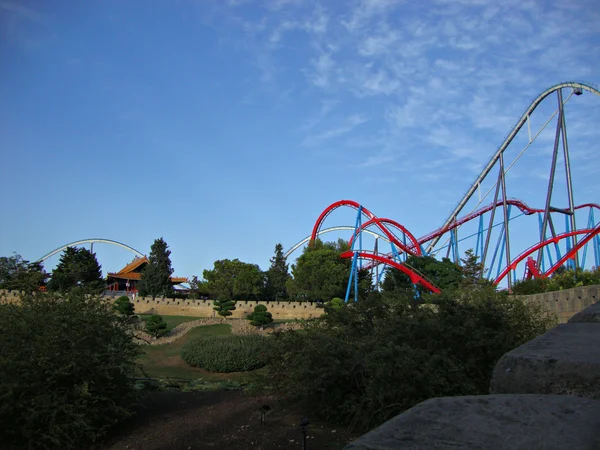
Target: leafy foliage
x=260, y=316
x=234, y=280
x=77, y=268
x=156, y=326
x=366, y=362
x=319, y=273
x=224, y=307
x=561, y=279
x=198, y=288
x=156, y=276
x=19, y=274
x=227, y=353
x=123, y=306
x=65, y=368
x=336, y=303
x=277, y=276
x=444, y=274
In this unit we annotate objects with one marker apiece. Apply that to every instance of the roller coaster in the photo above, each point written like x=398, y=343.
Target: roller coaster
x=490, y=238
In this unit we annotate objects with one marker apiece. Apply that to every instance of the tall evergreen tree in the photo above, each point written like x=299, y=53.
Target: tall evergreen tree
x=277, y=275
x=156, y=276
x=78, y=267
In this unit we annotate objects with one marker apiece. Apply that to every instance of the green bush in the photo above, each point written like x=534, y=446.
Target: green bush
x=260, y=317
x=123, y=306
x=65, y=368
x=224, y=307
x=561, y=279
x=226, y=353
x=366, y=362
x=156, y=326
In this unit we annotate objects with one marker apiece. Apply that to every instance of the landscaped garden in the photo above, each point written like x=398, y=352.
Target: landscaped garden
x=195, y=383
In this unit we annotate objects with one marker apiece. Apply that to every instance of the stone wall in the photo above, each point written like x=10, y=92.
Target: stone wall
x=204, y=308
x=566, y=303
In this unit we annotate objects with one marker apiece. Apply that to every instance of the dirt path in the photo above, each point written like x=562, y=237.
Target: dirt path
x=225, y=420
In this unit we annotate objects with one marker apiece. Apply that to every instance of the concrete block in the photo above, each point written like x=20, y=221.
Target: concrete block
x=591, y=315
x=491, y=422
x=565, y=360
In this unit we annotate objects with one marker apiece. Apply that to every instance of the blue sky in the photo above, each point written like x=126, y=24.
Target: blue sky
x=228, y=126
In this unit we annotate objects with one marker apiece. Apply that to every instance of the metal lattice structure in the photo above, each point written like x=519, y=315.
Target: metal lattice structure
x=489, y=226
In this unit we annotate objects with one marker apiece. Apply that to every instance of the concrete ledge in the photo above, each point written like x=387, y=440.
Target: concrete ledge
x=590, y=315
x=565, y=360
x=492, y=422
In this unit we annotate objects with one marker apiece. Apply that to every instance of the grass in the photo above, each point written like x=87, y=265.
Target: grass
x=172, y=321
x=164, y=361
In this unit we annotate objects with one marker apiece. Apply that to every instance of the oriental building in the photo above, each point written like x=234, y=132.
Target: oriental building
x=128, y=278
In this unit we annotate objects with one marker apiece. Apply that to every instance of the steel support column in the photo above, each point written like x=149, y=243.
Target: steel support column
x=491, y=225
x=568, y=171
x=505, y=209
x=551, y=179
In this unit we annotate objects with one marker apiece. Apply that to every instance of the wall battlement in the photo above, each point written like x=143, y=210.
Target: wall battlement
x=565, y=304
x=204, y=308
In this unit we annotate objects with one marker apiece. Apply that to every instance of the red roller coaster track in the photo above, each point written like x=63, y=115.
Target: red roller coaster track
x=415, y=277
x=414, y=247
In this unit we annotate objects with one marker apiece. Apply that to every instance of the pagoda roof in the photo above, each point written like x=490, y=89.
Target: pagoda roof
x=127, y=272
x=137, y=262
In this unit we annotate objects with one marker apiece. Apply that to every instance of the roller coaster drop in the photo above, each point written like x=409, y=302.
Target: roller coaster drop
x=568, y=248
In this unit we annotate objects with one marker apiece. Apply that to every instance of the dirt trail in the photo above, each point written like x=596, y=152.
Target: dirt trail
x=225, y=420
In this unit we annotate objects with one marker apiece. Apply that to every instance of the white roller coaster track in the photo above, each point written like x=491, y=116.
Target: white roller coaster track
x=90, y=241
x=488, y=167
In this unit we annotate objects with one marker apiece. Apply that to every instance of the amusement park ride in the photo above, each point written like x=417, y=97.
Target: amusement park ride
x=488, y=226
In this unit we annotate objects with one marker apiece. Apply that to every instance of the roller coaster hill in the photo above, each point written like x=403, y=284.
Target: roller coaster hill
x=512, y=239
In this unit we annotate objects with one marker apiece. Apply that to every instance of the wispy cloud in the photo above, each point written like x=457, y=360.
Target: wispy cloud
x=22, y=11
x=441, y=85
x=344, y=127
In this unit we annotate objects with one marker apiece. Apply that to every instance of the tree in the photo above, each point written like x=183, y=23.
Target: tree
x=223, y=307
x=234, y=280
x=66, y=368
x=444, y=274
x=19, y=274
x=156, y=276
x=472, y=272
x=277, y=276
x=78, y=267
x=319, y=273
x=198, y=288
x=156, y=326
x=260, y=317
x=123, y=306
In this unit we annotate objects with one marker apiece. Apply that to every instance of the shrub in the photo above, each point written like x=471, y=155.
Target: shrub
x=368, y=361
x=224, y=307
x=65, y=368
x=260, y=317
x=226, y=353
x=336, y=303
x=156, y=326
x=123, y=306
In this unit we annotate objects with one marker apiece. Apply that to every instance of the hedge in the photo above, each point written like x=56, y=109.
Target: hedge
x=226, y=353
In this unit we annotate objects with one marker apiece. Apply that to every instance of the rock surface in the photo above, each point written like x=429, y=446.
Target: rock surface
x=491, y=422
x=565, y=360
x=591, y=314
